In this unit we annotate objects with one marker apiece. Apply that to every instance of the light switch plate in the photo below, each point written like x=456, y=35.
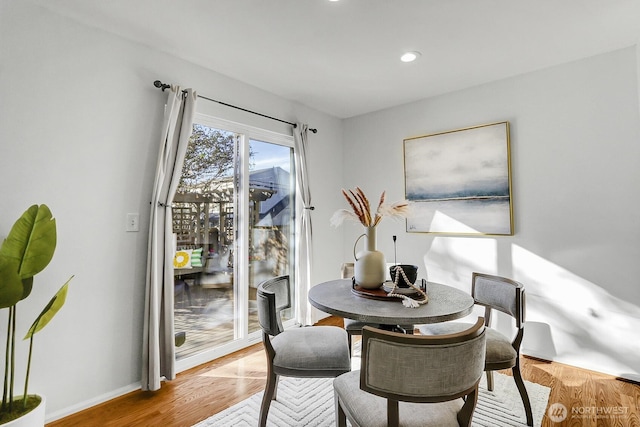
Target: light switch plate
x=133, y=222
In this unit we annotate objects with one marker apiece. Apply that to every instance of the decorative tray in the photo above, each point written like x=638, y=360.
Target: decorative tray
x=381, y=292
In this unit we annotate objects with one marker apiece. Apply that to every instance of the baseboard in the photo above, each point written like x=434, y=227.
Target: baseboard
x=623, y=376
x=65, y=412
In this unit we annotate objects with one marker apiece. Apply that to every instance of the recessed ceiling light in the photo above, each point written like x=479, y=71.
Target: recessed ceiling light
x=409, y=56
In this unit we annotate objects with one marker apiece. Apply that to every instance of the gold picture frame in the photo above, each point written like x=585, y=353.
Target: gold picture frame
x=459, y=181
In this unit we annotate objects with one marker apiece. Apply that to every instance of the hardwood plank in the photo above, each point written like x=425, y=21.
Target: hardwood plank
x=585, y=393
x=207, y=389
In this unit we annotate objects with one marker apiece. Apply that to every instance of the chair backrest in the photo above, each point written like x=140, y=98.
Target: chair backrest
x=422, y=368
x=347, y=270
x=500, y=293
x=273, y=296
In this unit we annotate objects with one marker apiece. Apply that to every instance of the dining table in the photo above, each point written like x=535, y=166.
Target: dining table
x=341, y=297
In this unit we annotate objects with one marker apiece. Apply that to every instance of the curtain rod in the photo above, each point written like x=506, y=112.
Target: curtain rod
x=164, y=86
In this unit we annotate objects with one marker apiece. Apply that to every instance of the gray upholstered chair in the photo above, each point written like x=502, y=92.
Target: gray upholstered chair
x=435, y=377
x=507, y=296
x=316, y=351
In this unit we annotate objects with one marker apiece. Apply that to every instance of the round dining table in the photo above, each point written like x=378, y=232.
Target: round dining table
x=339, y=298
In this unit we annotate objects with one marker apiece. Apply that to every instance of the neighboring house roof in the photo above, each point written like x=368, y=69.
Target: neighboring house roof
x=275, y=209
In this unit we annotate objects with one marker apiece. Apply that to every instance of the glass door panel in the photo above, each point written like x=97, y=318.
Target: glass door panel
x=203, y=216
x=271, y=207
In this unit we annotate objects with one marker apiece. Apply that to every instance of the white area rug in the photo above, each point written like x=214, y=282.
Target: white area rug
x=309, y=403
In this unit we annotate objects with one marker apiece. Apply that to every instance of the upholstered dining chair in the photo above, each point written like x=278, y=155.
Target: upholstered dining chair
x=507, y=296
x=315, y=351
x=435, y=377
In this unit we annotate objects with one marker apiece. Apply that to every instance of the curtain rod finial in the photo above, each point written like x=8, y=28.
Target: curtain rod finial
x=161, y=85
x=295, y=125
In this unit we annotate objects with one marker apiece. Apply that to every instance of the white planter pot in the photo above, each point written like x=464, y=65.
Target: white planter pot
x=34, y=418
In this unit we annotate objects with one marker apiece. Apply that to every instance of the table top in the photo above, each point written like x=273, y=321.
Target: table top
x=336, y=297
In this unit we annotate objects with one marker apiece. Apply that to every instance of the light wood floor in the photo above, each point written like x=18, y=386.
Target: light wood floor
x=207, y=389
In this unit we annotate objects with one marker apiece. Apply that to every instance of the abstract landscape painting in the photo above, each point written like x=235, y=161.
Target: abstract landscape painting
x=459, y=181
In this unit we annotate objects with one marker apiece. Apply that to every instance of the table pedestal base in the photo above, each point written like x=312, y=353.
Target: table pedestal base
x=402, y=329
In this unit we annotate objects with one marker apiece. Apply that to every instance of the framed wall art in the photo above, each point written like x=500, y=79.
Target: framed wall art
x=459, y=182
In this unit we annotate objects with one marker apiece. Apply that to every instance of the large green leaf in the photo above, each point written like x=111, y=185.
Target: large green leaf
x=50, y=310
x=25, y=252
x=11, y=289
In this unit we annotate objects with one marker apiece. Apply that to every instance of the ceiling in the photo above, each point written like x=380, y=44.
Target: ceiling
x=342, y=57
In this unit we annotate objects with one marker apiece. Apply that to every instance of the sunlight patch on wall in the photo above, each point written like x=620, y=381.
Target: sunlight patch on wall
x=452, y=260
x=442, y=221
x=578, y=315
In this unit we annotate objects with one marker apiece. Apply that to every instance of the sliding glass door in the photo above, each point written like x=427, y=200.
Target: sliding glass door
x=233, y=219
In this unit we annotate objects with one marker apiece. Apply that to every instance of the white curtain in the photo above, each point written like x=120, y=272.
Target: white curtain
x=303, y=248
x=158, y=352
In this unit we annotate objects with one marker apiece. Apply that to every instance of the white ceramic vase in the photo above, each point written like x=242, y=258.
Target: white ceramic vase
x=370, y=266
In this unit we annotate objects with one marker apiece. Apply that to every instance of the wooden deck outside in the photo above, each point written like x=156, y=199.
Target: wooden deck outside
x=206, y=316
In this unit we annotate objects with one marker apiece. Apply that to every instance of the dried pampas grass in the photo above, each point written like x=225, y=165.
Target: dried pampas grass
x=361, y=209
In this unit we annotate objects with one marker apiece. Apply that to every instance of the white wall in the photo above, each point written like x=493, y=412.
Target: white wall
x=575, y=139
x=79, y=122
x=79, y=131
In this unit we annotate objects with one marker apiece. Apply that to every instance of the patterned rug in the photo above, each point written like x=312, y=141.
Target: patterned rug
x=309, y=403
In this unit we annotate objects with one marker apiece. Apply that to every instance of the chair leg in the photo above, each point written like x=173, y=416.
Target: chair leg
x=341, y=417
x=517, y=376
x=349, y=342
x=466, y=413
x=188, y=292
x=490, y=380
x=393, y=413
x=269, y=395
x=275, y=388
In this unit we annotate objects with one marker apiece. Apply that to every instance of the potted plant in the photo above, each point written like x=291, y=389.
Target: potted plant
x=26, y=251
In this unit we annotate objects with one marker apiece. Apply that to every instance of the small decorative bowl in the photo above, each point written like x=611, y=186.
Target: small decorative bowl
x=411, y=271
